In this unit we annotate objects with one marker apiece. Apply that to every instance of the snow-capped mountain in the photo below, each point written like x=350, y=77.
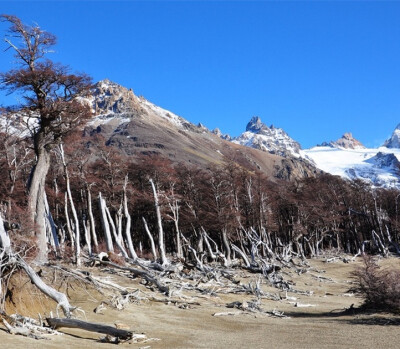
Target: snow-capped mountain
x=136, y=126
x=394, y=140
x=348, y=158
x=110, y=100
x=379, y=167
x=270, y=139
x=125, y=113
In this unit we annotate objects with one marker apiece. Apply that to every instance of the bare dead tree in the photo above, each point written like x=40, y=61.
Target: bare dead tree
x=161, y=246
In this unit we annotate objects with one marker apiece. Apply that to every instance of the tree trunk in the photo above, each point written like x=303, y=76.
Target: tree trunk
x=5, y=243
x=179, y=253
x=106, y=226
x=153, y=247
x=36, y=201
x=68, y=222
x=86, y=230
x=88, y=326
x=74, y=214
x=226, y=245
x=120, y=244
x=128, y=226
x=164, y=259
x=91, y=220
x=51, y=226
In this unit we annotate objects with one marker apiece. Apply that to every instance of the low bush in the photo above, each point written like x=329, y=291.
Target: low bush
x=380, y=288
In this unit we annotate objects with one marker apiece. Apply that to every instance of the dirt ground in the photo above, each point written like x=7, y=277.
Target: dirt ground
x=319, y=325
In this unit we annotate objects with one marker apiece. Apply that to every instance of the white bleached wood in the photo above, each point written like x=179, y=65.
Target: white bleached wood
x=105, y=224
x=164, y=259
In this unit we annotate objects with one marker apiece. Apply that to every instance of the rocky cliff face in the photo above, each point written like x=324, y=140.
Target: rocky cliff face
x=109, y=97
x=347, y=141
x=394, y=140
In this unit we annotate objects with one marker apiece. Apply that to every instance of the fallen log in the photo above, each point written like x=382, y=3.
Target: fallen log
x=89, y=326
x=146, y=275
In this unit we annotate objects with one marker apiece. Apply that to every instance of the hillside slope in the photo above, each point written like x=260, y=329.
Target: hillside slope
x=136, y=126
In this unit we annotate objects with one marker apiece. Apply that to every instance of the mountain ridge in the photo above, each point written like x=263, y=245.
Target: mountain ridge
x=137, y=126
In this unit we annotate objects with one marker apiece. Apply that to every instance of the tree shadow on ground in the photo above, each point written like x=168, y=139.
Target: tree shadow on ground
x=376, y=320
x=353, y=316
x=330, y=314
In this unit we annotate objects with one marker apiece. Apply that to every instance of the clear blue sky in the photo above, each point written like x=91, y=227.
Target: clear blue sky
x=315, y=69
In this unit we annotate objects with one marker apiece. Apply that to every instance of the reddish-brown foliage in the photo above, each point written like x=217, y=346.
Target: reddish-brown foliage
x=380, y=288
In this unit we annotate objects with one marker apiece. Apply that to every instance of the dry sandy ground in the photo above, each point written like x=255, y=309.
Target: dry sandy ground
x=319, y=326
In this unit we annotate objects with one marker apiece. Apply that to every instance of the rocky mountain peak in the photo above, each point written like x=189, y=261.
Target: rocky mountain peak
x=110, y=97
x=218, y=133
x=394, y=140
x=255, y=125
x=382, y=160
x=272, y=139
x=347, y=141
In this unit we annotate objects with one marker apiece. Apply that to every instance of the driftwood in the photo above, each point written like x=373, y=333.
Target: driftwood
x=89, y=326
x=59, y=297
x=146, y=275
x=24, y=326
x=16, y=260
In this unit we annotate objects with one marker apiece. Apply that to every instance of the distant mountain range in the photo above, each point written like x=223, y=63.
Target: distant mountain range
x=136, y=126
x=346, y=157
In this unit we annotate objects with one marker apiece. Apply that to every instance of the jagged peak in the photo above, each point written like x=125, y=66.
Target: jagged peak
x=218, y=133
x=348, y=135
x=106, y=85
x=255, y=125
x=394, y=140
x=382, y=160
x=107, y=82
x=270, y=139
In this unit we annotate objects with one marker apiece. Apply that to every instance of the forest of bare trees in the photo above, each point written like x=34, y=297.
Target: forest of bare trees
x=110, y=202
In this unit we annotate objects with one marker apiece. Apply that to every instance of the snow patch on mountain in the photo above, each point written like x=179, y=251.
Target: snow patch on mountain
x=379, y=167
x=113, y=119
x=270, y=139
x=20, y=125
x=165, y=114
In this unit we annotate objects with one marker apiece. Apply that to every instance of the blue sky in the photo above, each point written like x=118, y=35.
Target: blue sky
x=315, y=69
